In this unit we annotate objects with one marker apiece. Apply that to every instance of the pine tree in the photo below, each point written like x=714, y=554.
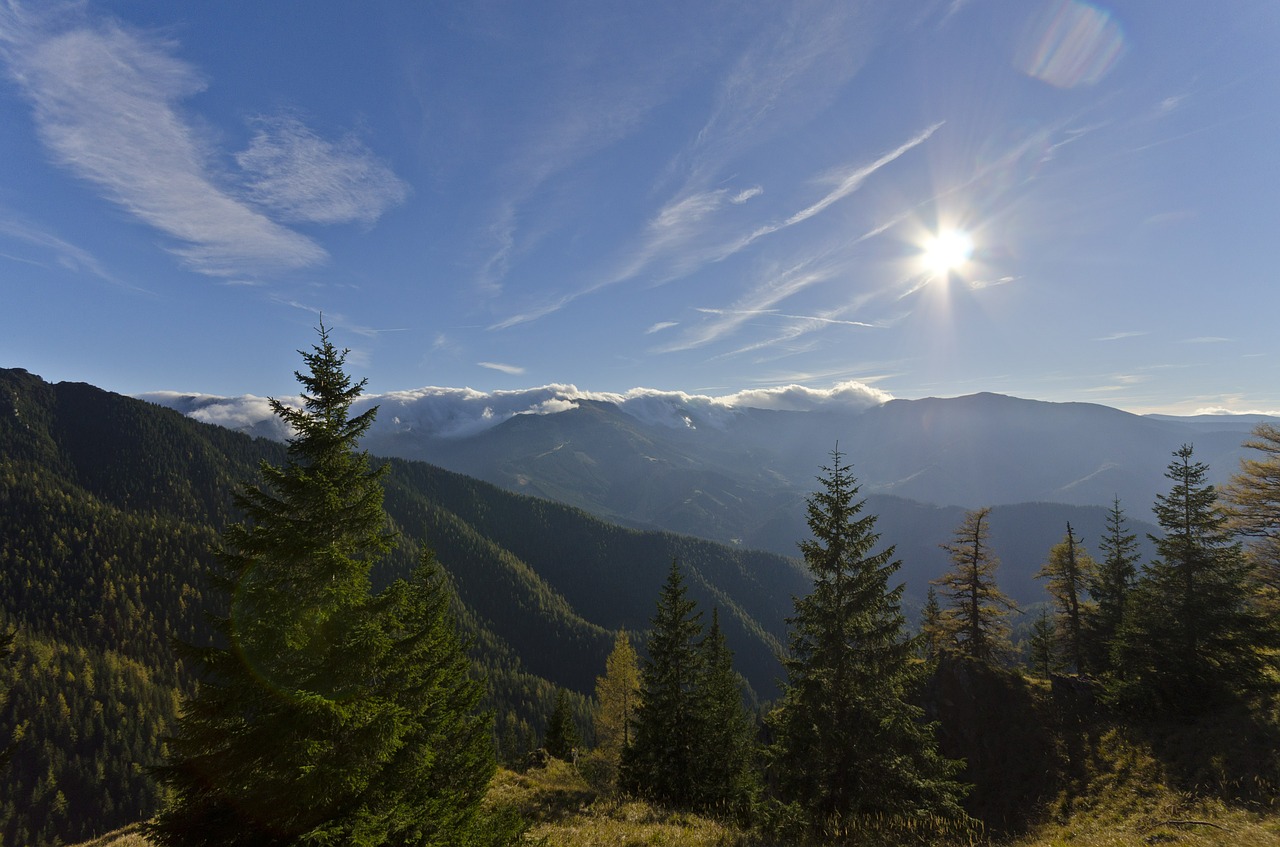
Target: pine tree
x=1191, y=639
x=974, y=619
x=1069, y=569
x=726, y=779
x=661, y=762
x=617, y=695
x=327, y=714
x=1110, y=586
x=562, y=731
x=852, y=752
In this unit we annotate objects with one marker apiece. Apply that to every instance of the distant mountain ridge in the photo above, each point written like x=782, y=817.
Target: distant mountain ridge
x=740, y=474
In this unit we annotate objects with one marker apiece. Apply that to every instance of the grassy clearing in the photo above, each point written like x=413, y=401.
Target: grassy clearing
x=566, y=812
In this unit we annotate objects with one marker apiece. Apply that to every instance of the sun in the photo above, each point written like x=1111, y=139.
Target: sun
x=947, y=251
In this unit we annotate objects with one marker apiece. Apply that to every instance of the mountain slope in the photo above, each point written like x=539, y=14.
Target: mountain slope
x=111, y=506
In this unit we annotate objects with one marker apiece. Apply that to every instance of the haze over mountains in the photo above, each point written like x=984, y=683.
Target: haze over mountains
x=738, y=469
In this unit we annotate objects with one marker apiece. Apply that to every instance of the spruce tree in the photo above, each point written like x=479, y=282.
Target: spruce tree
x=1043, y=646
x=974, y=619
x=327, y=713
x=852, y=752
x=1110, y=586
x=726, y=778
x=1191, y=639
x=661, y=762
x=1068, y=570
x=562, y=732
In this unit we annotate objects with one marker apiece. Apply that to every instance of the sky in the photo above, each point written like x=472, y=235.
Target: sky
x=1053, y=199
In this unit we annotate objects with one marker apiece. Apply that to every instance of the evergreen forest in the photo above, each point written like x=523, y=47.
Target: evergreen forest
x=234, y=641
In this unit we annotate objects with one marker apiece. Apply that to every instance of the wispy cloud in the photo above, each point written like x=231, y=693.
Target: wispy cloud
x=514, y=370
x=1117, y=336
x=302, y=177
x=677, y=223
x=66, y=254
x=660, y=326
x=1206, y=339
x=746, y=194
x=107, y=104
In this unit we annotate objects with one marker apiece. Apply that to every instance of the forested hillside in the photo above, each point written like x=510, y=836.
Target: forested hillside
x=111, y=507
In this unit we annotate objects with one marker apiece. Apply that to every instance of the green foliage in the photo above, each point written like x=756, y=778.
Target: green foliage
x=1045, y=656
x=662, y=762
x=1191, y=638
x=973, y=622
x=852, y=751
x=1110, y=586
x=327, y=713
x=562, y=731
x=727, y=780
x=1069, y=569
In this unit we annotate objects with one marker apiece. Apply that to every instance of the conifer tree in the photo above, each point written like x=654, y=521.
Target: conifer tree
x=852, y=752
x=1253, y=509
x=1069, y=569
x=726, y=775
x=7, y=637
x=1190, y=638
x=617, y=695
x=562, y=732
x=933, y=636
x=1043, y=646
x=974, y=619
x=1110, y=586
x=327, y=714
x=661, y=762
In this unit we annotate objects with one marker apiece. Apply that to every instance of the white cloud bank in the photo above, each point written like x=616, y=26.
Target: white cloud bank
x=460, y=412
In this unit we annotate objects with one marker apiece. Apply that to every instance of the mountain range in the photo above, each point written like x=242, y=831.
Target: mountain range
x=739, y=475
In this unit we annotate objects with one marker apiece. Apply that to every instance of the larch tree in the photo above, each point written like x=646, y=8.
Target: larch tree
x=617, y=695
x=1253, y=509
x=974, y=618
x=852, y=752
x=326, y=713
x=1068, y=570
x=1191, y=639
x=661, y=762
x=1110, y=586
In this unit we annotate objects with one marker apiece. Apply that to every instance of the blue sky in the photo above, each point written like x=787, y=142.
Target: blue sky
x=696, y=197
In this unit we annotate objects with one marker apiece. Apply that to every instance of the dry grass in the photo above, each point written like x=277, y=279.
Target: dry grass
x=1126, y=800
x=126, y=837
x=566, y=812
